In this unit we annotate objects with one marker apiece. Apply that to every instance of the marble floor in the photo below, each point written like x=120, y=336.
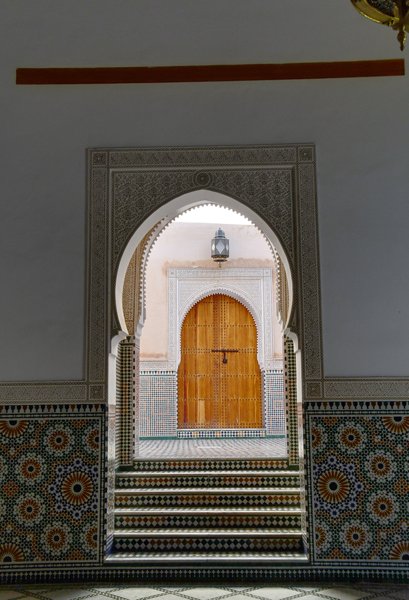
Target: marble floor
x=309, y=591
x=214, y=448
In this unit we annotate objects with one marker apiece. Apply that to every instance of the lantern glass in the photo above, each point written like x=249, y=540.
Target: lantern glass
x=220, y=246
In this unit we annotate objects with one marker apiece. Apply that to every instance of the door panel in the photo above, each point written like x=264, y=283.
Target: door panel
x=219, y=379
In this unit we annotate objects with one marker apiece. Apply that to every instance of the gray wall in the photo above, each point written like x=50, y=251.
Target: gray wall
x=359, y=127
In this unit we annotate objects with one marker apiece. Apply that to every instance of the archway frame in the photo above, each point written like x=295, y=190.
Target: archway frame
x=131, y=190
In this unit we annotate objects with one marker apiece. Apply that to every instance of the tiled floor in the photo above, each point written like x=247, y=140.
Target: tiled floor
x=211, y=448
x=310, y=591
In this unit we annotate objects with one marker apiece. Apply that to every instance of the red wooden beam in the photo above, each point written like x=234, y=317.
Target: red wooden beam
x=202, y=73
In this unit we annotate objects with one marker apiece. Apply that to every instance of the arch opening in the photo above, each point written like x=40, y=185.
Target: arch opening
x=147, y=233
x=148, y=240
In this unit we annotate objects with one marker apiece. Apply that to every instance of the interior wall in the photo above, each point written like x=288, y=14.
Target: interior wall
x=187, y=245
x=355, y=124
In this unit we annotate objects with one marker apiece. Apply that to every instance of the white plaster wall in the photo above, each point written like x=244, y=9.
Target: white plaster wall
x=178, y=242
x=358, y=125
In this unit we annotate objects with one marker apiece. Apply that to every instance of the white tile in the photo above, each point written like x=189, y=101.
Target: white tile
x=205, y=593
x=135, y=593
x=96, y=597
x=344, y=593
x=311, y=596
x=66, y=593
x=273, y=593
x=238, y=597
x=10, y=594
x=241, y=588
x=37, y=589
x=385, y=596
x=33, y=597
x=174, y=588
x=403, y=594
x=168, y=597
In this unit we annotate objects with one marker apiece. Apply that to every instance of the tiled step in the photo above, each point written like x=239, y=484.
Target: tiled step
x=206, y=542
x=200, y=558
x=202, y=497
x=146, y=532
x=209, y=517
x=215, y=511
x=221, y=479
x=227, y=464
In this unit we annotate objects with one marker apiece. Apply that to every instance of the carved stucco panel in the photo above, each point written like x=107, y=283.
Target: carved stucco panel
x=252, y=287
x=207, y=156
x=137, y=194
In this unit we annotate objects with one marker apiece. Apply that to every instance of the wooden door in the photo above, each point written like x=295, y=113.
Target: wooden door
x=219, y=380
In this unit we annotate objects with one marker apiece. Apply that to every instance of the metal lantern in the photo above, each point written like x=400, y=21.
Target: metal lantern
x=220, y=246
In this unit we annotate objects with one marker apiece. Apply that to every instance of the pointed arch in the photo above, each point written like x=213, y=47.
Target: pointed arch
x=164, y=215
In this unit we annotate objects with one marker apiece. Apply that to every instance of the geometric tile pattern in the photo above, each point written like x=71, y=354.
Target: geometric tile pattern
x=221, y=480
x=296, y=591
x=125, y=394
x=220, y=433
x=254, y=464
x=206, y=545
x=225, y=519
x=360, y=485
x=274, y=402
x=218, y=499
x=157, y=402
x=50, y=468
x=290, y=385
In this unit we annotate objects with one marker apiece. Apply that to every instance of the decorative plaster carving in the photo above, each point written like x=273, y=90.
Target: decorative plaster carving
x=360, y=388
x=97, y=276
x=137, y=193
x=21, y=393
x=251, y=287
x=176, y=156
x=309, y=293
x=313, y=389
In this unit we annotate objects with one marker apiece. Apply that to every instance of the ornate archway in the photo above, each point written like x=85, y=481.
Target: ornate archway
x=132, y=190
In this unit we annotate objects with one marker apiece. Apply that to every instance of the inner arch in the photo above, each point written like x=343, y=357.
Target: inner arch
x=173, y=208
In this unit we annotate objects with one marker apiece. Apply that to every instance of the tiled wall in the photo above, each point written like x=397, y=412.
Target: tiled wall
x=52, y=501
x=359, y=482
x=274, y=402
x=51, y=466
x=158, y=405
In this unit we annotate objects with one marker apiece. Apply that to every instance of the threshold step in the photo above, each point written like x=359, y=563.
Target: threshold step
x=230, y=472
x=205, y=490
x=201, y=558
x=146, y=465
x=206, y=532
x=259, y=512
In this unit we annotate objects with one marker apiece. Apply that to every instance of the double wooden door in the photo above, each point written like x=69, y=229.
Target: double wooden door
x=219, y=379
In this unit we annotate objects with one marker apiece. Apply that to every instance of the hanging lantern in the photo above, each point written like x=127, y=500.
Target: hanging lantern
x=220, y=246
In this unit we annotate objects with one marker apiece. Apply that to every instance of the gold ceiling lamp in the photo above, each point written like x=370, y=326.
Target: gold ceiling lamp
x=394, y=13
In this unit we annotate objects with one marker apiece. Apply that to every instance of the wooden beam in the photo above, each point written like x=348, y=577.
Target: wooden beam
x=206, y=73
